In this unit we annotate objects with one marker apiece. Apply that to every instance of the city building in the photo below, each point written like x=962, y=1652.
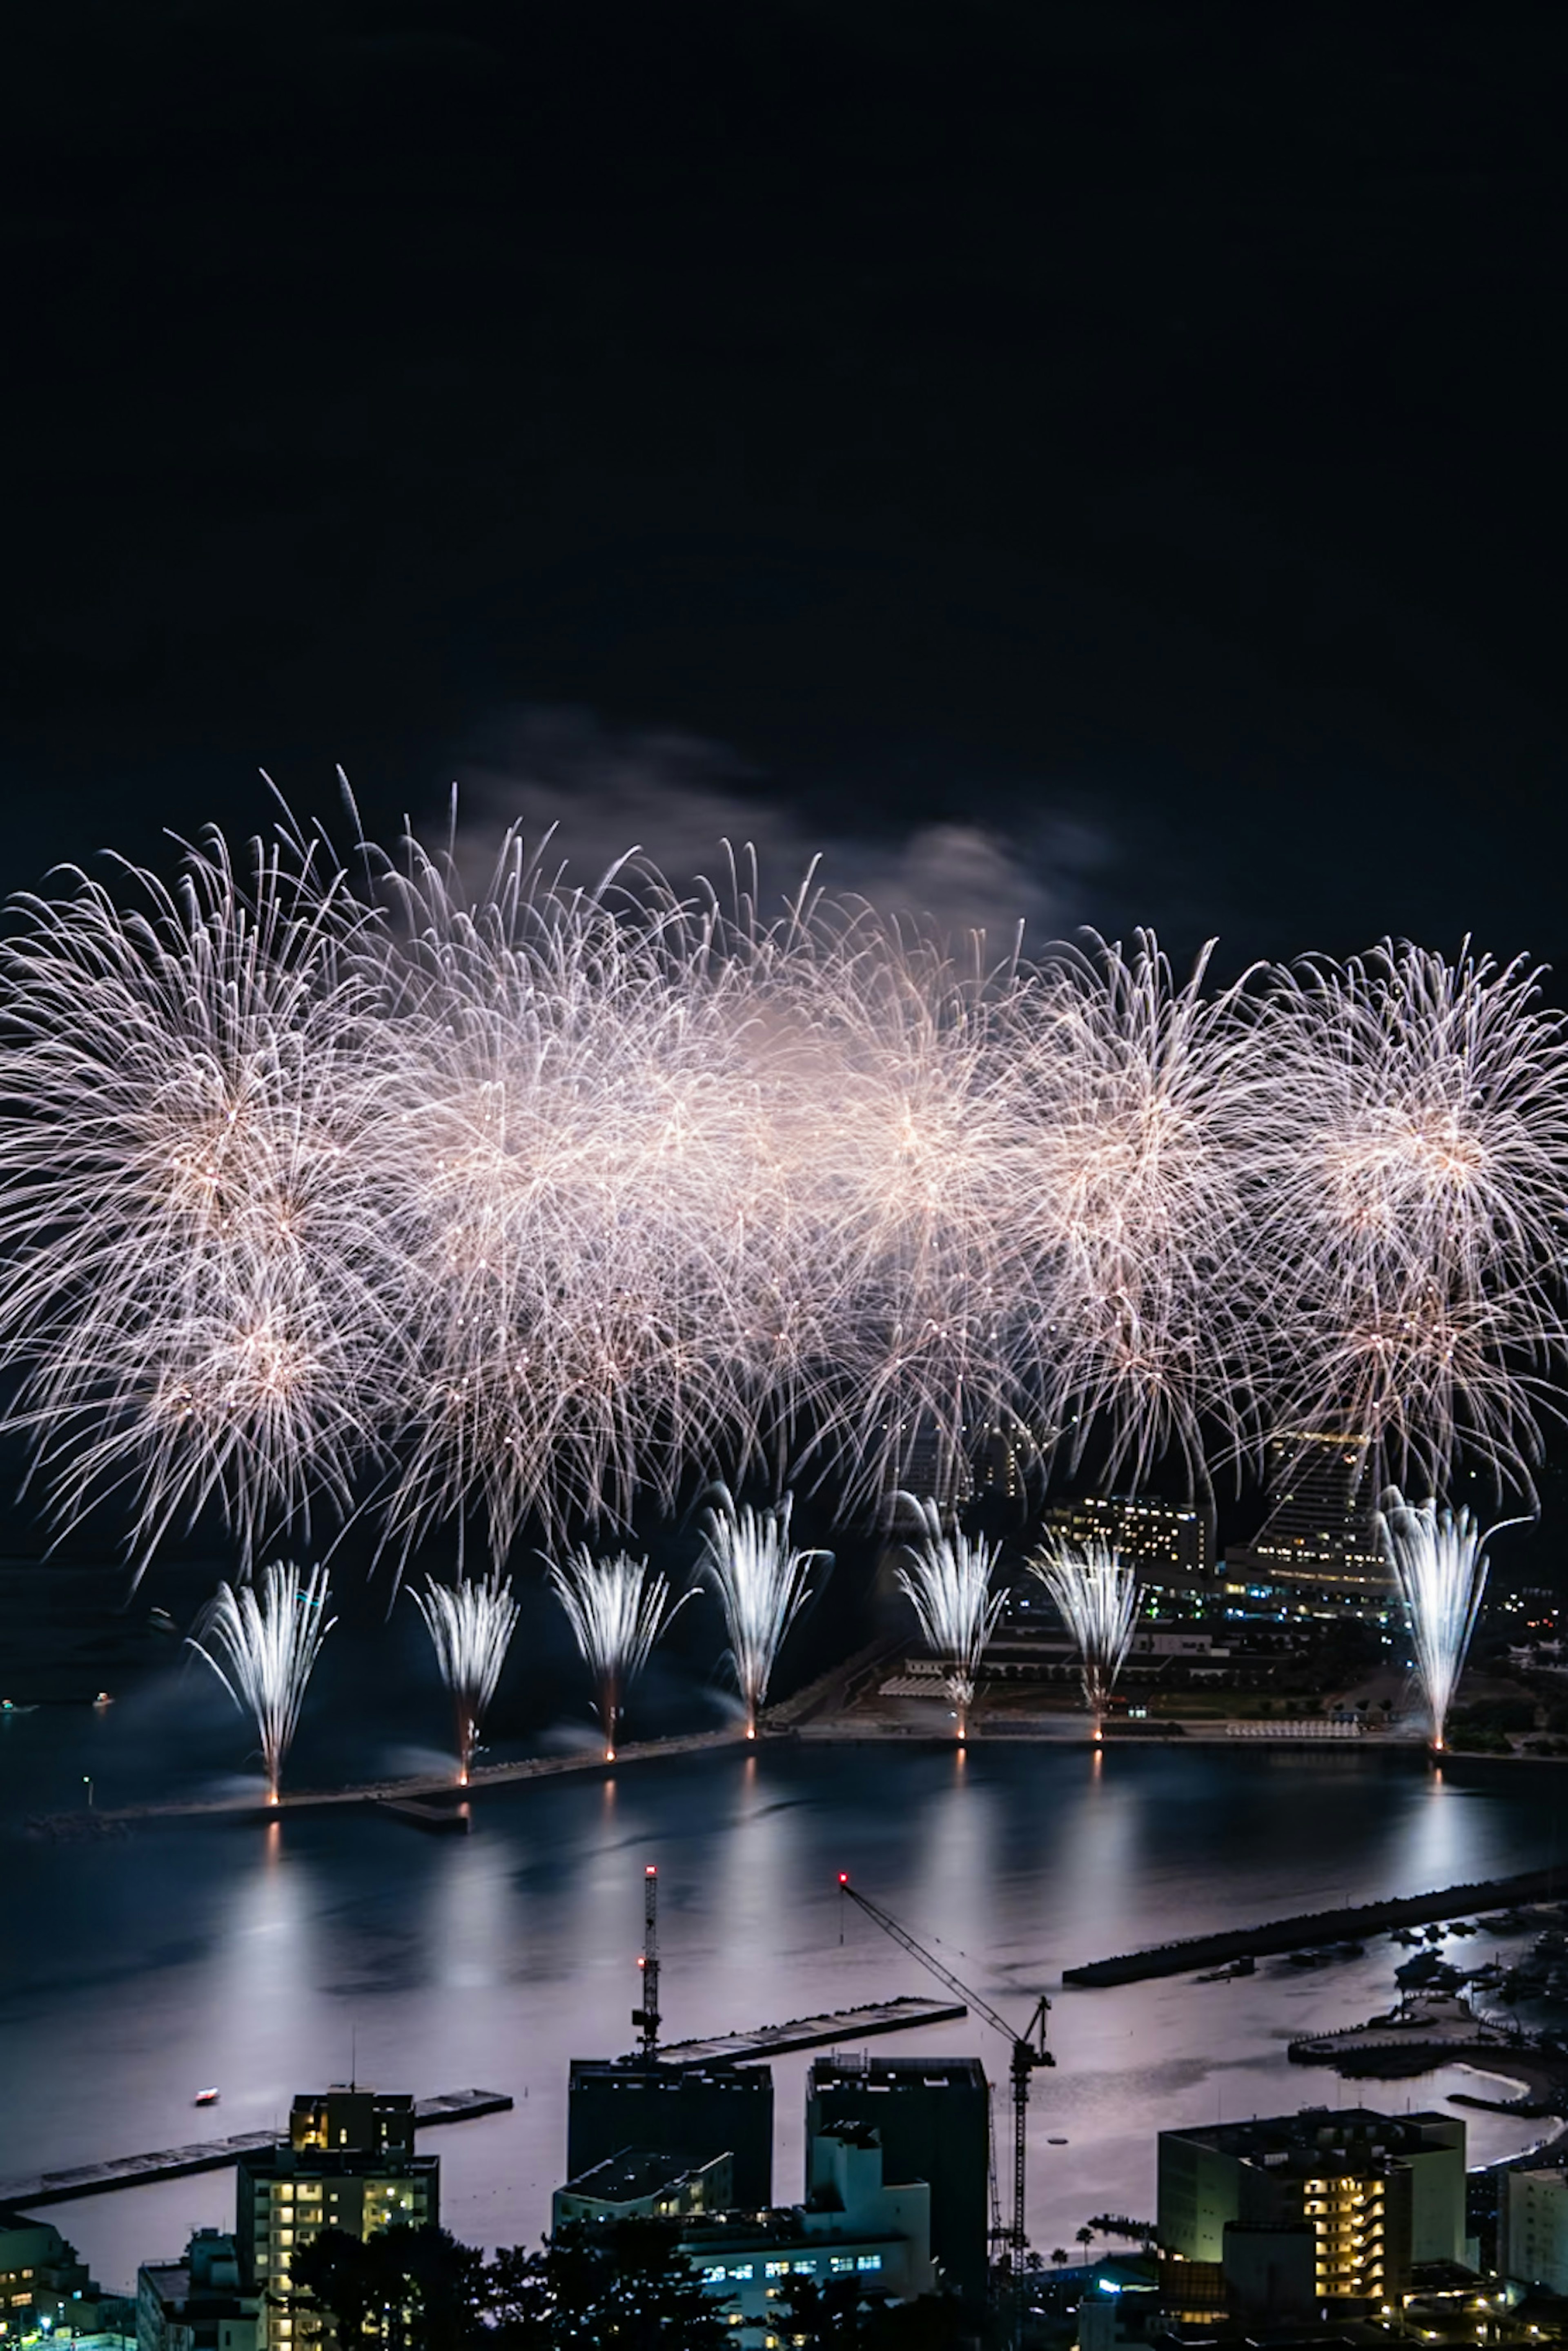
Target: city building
x=1379, y=2192
x=348, y=2163
x=199, y=2303
x=638, y=2186
x=685, y=2116
x=1317, y=1553
x=1532, y=2228
x=44, y=2288
x=853, y=2224
x=933, y=2119
x=1164, y=1541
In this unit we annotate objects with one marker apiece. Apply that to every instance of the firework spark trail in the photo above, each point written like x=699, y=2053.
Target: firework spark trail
x=948, y=1582
x=616, y=1611
x=1096, y=1592
x=1411, y=1226
x=263, y=1646
x=1441, y=1570
x=760, y=1582
x=470, y=1626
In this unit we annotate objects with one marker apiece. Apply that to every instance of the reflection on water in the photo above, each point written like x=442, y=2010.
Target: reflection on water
x=134, y=1972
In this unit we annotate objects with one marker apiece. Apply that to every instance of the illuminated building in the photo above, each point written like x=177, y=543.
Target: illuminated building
x=1317, y=1553
x=853, y=2224
x=348, y=2163
x=685, y=2115
x=637, y=2186
x=1532, y=2233
x=1379, y=2192
x=1163, y=1542
x=933, y=2118
x=199, y=2303
x=43, y=2289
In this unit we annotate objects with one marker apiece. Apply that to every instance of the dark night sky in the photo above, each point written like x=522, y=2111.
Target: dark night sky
x=1096, y=457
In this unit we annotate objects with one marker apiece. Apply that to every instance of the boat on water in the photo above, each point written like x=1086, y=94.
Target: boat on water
x=205, y=2098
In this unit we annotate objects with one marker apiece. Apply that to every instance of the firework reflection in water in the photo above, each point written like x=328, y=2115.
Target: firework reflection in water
x=470, y=1626
x=1097, y=1593
x=616, y=1611
x=263, y=1647
x=1441, y=1570
x=948, y=1582
x=760, y=1582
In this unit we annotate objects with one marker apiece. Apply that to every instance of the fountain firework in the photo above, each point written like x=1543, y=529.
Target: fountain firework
x=1096, y=1592
x=1441, y=1570
x=949, y=1584
x=616, y=1611
x=760, y=1582
x=263, y=1647
x=470, y=1626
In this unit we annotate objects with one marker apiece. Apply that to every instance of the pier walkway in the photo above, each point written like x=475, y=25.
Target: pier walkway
x=826, y=2031
x=210, y=2155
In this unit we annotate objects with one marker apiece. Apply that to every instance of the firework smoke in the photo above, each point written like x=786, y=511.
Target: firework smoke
x=948, y=1582
x=263, y=1646
x=1097, y=1594
x=1441, y=1570
x=470, y=1626
x=616, y=1611
x=760, y=1583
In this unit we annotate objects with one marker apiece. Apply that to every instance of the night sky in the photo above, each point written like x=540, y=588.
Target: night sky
x=1095, y=461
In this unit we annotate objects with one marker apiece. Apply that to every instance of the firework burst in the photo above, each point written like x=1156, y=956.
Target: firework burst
x=470, y=1626
x=1441, y=1570
x=760, y=1581
x=263, y=1646
x=948, y=1582
x=617, y=1611
x=1097, y=1594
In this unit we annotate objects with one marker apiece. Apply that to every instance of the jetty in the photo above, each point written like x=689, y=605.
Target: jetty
x=210, y=2155
x=829, y=2031
x=1352, y=1923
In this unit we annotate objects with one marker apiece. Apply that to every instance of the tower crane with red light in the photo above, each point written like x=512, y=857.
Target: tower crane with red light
x=1029, y=2050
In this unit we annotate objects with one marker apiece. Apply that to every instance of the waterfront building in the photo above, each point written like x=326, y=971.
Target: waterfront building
x=1317, y=1553
x=44, y=2288
x=1379, y=2192
x=1164, y=1542
x=932, y=2116
x=198, y=2304
x=348, y=2163
x=636, y=2185
x=855, y=2224
x=1532, y=2228
x=685, y=2115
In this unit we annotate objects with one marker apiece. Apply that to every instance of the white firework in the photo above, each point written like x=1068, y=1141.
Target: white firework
x=263, y=1644
x=760, y=1581
x=470, y=1626
x=1096, y=1592
x=948, y=1582
x=1441, y=1570
x=1410, y=1225
x=617, y=1611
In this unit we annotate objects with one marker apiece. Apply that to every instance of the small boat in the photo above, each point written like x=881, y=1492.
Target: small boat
x=1056, y=2142
x=103, y=1699
x=205, y=2098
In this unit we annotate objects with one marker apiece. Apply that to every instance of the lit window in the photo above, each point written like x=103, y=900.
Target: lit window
x=869, y=2261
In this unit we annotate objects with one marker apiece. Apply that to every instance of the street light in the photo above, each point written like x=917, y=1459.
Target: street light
x=87, y=1783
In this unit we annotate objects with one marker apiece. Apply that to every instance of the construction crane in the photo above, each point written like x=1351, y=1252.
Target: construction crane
x=1029, y=2050
x=647, y=2016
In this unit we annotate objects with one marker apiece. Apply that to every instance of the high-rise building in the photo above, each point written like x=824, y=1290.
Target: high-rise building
x=1379, y=2192
x=932, y=2117
x=348, y=2163
x=1317, y=1551
x=1164, y=1542
x=685, y=2115
x=44, y=2288
x=199, y=2303
x=1532, y=2228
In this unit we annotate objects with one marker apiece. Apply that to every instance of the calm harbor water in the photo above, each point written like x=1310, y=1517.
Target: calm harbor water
x=134, y=1971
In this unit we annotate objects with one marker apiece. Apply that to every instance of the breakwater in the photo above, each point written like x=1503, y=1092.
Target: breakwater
x=210, y=2155
x=1351, y=1923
